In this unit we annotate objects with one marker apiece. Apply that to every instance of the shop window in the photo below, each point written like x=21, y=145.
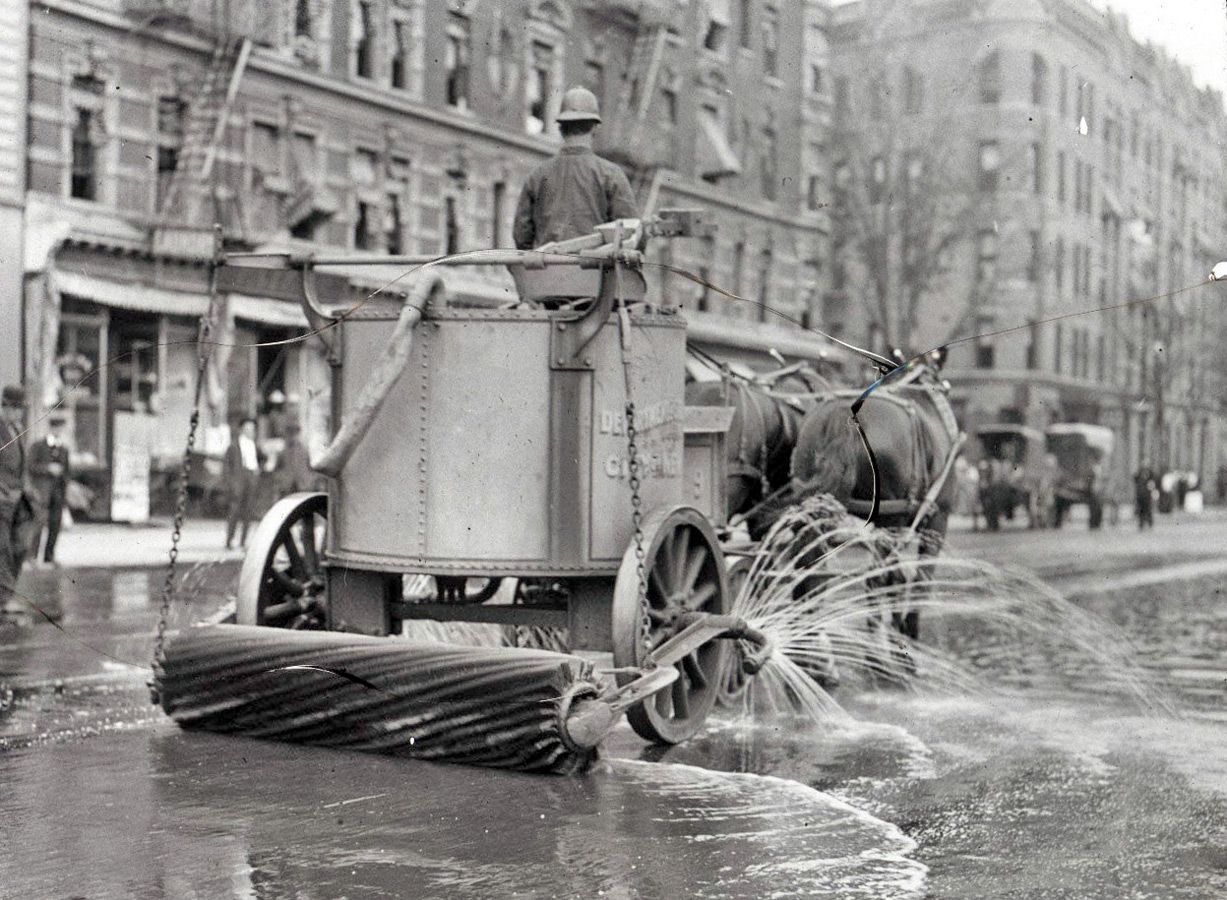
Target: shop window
x=990, y=165
x=363, y=26
x=456, y=61
x=989, y=77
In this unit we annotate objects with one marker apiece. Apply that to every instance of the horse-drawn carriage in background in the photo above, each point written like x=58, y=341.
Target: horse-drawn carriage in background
x=1015, y=472
x=559, y=448
x=1083, y=455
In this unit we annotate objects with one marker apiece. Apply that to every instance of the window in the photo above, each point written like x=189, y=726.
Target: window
x=877, y=179
x=400, y=54
x=456, y=61
x=668, y=98
x=877, y=99
x=1033, y=260
x=171, y=112
x=362, y=227
x=1060, y=176
x=83, y=182
x=764, y=284
x=594, y=77
x=393, y=225
x=769, y=161
x=451, y=227
x=985, y=357
x=813, y=193
x=498, y=212
x=1077, y=263
x=989, y=76
x=266, y=150
x=1039, y=80
x=1063, y=91
x=841, y=93
x=716, y=36
x=913, y=91
x=746, y=21
x=817, y=80
x=1037, y=169
x=1058, y=344
x=364, y=167
x=739, y=265
x=363, y=40
x=302, y=18
x=1058, y=265
x=1033, y=344
x=986, y=257
x=771, y=41
x=990, y=165
x=540, y=79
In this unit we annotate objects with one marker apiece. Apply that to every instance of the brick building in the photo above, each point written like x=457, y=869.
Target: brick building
x=1000, y=163
x=404, y=126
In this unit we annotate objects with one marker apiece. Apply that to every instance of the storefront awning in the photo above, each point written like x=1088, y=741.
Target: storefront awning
x=716, y=158
x=148, y=299
x=127, y=295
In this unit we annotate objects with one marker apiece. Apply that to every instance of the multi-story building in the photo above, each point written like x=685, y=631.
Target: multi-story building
x=13, y=27
x=999, y=164
x=399, y=126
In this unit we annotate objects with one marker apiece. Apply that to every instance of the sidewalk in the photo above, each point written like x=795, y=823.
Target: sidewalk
x=119, y=546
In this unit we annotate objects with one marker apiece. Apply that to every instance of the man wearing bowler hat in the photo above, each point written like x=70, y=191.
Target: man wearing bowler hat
x=49, y=473
x=569, y=195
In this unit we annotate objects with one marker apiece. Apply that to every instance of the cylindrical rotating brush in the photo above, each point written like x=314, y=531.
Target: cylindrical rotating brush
x=496, y=706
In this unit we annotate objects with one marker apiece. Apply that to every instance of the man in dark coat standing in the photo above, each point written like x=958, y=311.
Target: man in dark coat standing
x=15, y=511
x=569, y=195
x=1144, y=495
x=241, y=471
x=49, y=474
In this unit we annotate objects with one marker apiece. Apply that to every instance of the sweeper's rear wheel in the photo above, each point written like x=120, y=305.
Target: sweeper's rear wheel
x=684, y=568
x=282, y=580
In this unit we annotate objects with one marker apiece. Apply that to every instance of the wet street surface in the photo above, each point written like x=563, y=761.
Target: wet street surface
x=1041, y=785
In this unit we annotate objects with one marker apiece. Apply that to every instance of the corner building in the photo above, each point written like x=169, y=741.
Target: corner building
x=1081, y=168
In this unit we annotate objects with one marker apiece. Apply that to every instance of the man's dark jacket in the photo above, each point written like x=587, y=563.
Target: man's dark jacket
x=568, y=196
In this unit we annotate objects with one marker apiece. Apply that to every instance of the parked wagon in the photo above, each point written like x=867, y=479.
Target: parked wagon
x=1083, y=454
x=1014, y=474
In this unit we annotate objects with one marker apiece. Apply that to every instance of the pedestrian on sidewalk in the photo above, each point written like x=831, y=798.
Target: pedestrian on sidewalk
x=49, y=474
x=293, y=471
x=1144, y=489
x=241, y=471
x=16, y=513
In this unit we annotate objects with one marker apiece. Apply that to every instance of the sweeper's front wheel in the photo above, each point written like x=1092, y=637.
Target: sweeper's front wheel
x=685, y=572
x=282, y=583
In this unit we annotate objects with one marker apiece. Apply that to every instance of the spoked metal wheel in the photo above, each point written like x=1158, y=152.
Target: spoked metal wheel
x=685, y=573
x=281, y=583
x=734, y=682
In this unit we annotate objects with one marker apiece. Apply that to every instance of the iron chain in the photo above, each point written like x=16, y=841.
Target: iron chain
x=204, y=348
x=641, y=572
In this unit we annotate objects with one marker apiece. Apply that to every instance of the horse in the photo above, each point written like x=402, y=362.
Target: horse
x=758, y=444
x=913, y=434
